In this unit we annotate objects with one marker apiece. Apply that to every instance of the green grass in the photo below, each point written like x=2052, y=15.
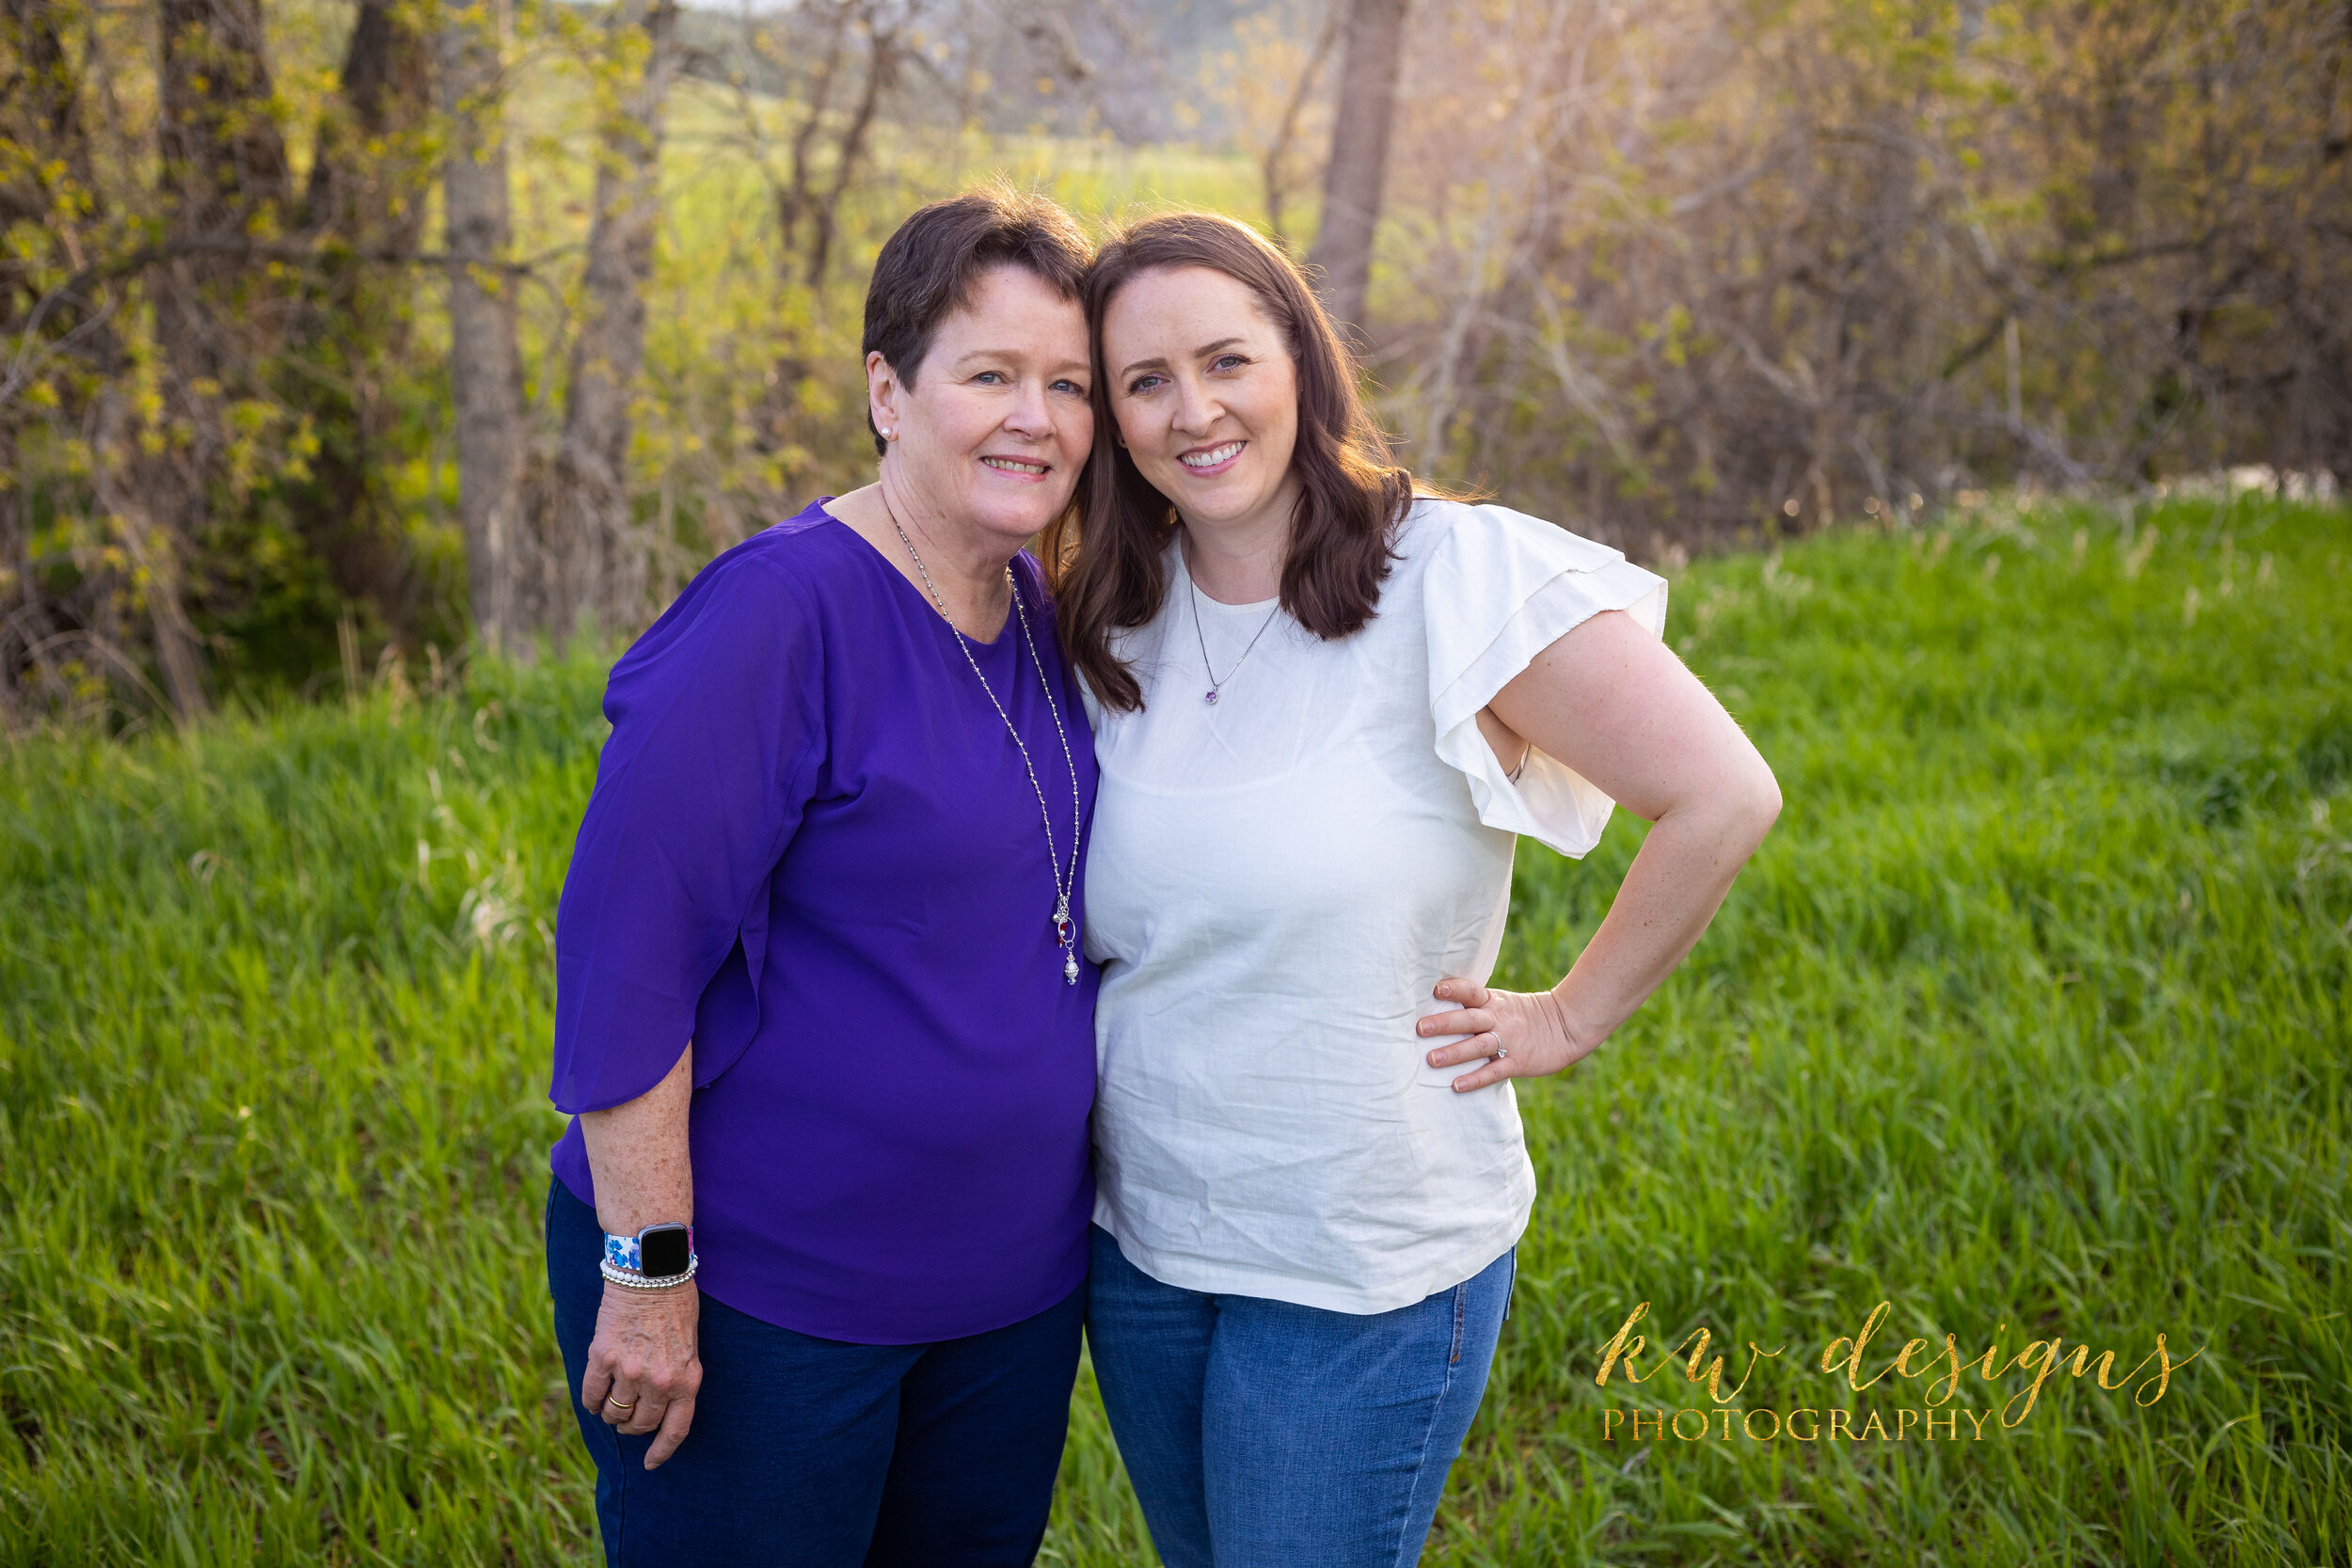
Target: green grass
x=2030, y=1013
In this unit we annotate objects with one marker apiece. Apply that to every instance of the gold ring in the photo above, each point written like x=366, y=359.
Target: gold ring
x=616, y=1404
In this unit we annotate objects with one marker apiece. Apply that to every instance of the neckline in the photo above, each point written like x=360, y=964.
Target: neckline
x=1192, y=586
x=929, y=610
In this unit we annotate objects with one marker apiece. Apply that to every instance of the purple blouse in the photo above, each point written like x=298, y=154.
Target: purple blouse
x=814, y=852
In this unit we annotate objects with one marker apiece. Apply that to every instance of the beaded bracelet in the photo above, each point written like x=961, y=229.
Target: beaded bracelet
x=636, y=1281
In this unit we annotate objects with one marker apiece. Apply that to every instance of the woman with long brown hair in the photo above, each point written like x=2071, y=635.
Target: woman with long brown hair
x=1326, y=707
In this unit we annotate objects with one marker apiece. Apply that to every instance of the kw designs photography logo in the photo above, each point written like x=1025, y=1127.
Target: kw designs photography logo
x=1936, y=1415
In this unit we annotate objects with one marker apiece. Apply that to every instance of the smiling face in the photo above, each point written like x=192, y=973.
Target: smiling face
x=997, y=428
x=1206, y=396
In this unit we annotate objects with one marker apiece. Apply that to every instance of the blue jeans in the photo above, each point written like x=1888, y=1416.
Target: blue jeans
x=1265, y=1434
x=825, y=1454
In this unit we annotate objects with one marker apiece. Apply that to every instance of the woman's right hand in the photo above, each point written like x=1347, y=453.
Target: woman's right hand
x=644, y=1370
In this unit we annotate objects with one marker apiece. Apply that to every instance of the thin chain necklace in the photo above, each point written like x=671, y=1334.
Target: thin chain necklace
x=1215, y=685
x=1065, y=885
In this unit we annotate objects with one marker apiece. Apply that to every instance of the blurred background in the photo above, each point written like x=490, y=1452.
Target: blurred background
x=1982, y=374
x=334, y=332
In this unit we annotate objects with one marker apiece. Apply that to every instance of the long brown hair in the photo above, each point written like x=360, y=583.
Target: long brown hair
x=1107, y=556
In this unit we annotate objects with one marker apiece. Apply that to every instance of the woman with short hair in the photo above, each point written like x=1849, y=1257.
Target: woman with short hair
x=1325, y=710
x=816, y=1238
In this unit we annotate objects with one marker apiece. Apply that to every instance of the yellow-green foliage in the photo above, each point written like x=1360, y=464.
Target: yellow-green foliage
x=729, y=311
x=2030, y=1013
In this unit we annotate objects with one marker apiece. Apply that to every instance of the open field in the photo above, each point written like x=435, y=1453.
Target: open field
x=2029, y=1019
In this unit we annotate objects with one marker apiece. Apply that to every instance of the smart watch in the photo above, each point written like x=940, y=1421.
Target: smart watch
x=663, y=1249
x=658, y=1252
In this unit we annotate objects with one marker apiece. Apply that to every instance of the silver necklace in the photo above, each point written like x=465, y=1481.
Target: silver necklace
x=1065, y=885
x=1215, y=685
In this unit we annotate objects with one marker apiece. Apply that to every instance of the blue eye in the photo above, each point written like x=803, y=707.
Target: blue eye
x=1142, y=384
x=1066, y=385
x=986, y=375
x=1228, y=361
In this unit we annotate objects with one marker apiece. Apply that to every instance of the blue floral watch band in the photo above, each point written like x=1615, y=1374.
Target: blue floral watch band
x=625, y=1251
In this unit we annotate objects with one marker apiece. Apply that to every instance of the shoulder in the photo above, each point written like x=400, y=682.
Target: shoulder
x=801, y=566
x=1469, y=533
x=761, y=596
x=802, y=549
x=1487, y=565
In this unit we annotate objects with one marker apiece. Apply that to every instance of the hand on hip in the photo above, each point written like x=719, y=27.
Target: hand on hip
x=1520, y=1034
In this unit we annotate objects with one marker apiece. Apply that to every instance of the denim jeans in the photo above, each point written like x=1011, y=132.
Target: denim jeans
x=820, y=1454
x=1265, y=1434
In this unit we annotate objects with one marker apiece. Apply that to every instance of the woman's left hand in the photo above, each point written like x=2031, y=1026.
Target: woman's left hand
x=1522, y=1034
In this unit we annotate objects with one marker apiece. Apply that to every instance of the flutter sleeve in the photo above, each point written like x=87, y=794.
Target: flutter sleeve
x=718, y=733
x=1501, y=587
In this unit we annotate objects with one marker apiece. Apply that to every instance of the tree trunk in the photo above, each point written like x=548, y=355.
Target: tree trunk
x=795, y=197
x=1275, y=166
x=363, y=181
x=486, y=353
x=39, y=111
x=127, y=478
x=38, y=116
x=224, y=175
x=598, y=566
x=365, y=194
x=781, y=424
x=882, y=61
x=1360, y=156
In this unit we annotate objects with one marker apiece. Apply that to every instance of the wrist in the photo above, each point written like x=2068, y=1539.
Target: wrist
x=660, y=1256
x=638, y=1282
x=1575, y=1040
x=635, y=1300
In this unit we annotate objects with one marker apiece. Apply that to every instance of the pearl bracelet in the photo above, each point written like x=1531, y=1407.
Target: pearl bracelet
x=636, y=1281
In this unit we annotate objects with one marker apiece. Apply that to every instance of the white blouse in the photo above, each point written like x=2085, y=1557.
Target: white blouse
x=1276, y=882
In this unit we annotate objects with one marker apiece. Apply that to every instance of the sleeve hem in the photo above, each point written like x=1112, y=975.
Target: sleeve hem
x=1550, y=802
x=633, y=992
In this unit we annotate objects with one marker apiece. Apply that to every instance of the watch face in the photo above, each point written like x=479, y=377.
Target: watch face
x=662, y=1250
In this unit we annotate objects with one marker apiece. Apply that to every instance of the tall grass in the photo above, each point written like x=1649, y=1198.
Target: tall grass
x=2029, y=1019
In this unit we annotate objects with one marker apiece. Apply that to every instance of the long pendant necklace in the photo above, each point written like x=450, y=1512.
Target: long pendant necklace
x=1215, y=685
x=1065, y=885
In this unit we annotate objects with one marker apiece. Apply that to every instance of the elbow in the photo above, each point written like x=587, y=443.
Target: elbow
x=1761, y=805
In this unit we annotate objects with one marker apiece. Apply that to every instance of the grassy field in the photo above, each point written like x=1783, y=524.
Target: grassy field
x=2029, y=1019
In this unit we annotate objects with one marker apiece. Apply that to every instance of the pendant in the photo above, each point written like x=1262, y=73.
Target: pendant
x=1210, y=697
x=1063, y=938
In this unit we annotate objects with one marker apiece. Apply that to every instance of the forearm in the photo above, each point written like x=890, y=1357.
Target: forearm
x=644, y=1371
x=637, y=1155
x=1610, y=701
x=1672, y=891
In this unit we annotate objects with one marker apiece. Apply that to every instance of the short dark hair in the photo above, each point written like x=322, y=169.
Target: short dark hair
x=1107, y=560
x=938, y=256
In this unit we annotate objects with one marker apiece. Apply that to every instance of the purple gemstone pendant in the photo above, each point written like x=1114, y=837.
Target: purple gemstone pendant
x=1209, y=696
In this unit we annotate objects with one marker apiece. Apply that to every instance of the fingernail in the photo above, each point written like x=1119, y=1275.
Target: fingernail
x=1433, y=1058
